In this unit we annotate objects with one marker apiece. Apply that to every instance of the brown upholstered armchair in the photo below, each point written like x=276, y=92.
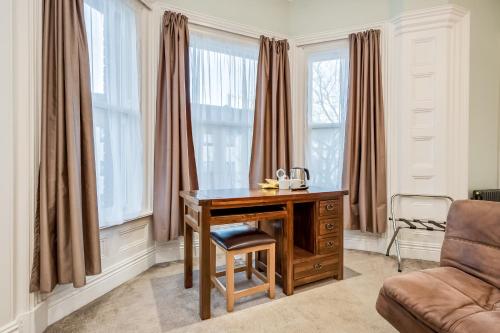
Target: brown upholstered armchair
x=463, y=295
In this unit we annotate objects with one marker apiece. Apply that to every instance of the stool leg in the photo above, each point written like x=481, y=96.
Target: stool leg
x=249, y=265
x=213, y=263
x=270, y=270
x=229, y=281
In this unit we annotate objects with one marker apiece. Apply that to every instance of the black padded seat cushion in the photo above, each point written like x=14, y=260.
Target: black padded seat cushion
x=241, y=237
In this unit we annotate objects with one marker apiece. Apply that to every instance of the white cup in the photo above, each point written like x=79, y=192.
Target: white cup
x=284, y=184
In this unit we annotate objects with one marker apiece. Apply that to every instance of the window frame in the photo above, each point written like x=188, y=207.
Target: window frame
x=303, y=98
x=146, y=106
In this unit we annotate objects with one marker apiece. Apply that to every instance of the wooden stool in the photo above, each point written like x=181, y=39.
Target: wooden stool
x=242, y=240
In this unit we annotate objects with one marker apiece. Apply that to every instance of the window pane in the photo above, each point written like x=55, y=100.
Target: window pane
x=112, y=39
x=325, y=91
x=326, y=109
x=223, y=80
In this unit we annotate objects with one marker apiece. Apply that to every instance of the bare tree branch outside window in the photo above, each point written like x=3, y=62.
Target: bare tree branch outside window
x=326, y=114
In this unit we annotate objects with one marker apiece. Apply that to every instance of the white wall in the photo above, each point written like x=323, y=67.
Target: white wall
x=6, y=166
x=313, y=16
x=484, y=125
x=269, y=15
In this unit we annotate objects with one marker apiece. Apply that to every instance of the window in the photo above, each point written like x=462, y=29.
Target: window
x=327, y=80
x=111, y=27
x=223, y=80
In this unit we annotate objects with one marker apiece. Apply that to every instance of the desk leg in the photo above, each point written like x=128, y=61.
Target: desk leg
x=205, y=289
x=287, y=259
x=188, y=256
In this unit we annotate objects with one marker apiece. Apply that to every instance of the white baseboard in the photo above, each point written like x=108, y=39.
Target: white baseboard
x=409, y=249
x=169, y=251
x=422, y=251
x=61, y=305
x=355, y=240
x=12, y=327
x=174, y=250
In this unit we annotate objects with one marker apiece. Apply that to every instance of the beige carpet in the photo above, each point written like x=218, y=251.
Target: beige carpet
x=156, y=301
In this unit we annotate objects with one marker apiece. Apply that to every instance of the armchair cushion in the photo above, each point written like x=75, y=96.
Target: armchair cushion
x=472, y=239
x=442, y=299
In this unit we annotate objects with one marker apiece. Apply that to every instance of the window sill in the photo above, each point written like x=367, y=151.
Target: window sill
x=128, y=220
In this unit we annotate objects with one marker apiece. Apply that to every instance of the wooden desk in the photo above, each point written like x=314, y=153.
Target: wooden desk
x=309, y=238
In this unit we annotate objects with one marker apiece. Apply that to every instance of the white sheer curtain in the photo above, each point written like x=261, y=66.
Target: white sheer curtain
x=223, y=73
x=326, y=113
x=113, y=49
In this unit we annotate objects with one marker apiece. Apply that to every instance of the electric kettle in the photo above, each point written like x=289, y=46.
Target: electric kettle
x=300, y=173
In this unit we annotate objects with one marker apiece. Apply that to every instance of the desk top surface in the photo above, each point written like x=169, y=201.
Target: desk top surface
x=214, y=196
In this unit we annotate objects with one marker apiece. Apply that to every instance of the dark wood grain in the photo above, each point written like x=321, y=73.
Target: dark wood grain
x=329, y=226
x=315, y=267
x=289, y=216
x=340, y=235
x=287, y=259
x=303, y=225
x=205, y=283
x=188, y=255
x=329, y=208
x=239, y=197
x=273, y=228
x=328, y=245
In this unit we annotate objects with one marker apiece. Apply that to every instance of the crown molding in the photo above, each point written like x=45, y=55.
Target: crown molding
x=333, y=35
x=445, y=16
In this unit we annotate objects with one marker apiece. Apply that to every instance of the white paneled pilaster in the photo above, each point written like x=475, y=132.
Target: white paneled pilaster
x=429, y=102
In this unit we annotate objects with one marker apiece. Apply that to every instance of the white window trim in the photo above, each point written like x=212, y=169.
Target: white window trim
x=301, y=102
x=315, y=43
x=148, y=100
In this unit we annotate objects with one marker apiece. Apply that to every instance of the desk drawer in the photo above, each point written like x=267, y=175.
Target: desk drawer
x=329, y=227
x=315, y=267
x=328, y=245
x=329, y=208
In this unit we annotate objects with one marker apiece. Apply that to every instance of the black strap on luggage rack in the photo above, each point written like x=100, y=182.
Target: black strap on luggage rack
x=399, y=223
x=429, y=225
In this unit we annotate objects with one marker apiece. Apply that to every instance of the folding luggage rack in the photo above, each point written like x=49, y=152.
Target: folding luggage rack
x=399, y=223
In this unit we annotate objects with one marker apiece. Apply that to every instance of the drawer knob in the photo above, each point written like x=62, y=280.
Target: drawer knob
x=329, y=244
x=330, y=207
x=318, y=267
x=329, y=226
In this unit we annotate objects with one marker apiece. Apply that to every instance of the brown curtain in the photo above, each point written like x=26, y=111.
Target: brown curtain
x=174, y=162
x=272, y=129
x=66, y=225
x=365, y=161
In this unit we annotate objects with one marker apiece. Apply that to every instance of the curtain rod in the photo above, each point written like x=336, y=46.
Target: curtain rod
x=224, y=31
x=208, y=21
